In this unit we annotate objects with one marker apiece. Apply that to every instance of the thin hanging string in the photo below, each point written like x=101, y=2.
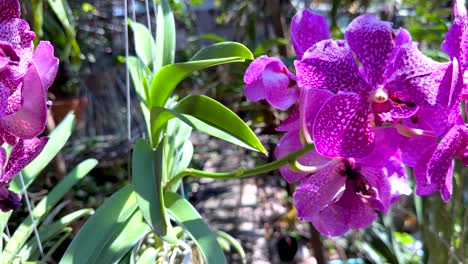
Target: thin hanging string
x=34, y=223
x=127, y=75
x=127, y=88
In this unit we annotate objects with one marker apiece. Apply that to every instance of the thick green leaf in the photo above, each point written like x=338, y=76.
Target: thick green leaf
x=148, y=256
x=26, y=228
x=144, y=42
x=48, y=232
x=223, y=50
x=188, y=217
x=234, y=242
x=178, y=150
x=171, y=75
x=60, y=8
x=211, y=117
x=123, y=241
x=102, y=228
x=57, y=140
x=165, y=38
x=139, y=74
x=147, y=176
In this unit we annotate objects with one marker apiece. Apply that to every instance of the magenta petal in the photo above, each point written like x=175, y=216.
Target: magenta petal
x=413, y=78
x=46, y=63
x=453, y=39
x=439, y=164
x=255, y=69
x=395, y=171
x=349, y=211
x=386, y=145
x=318, y=191
x=254, y=91
x=12, y=202
x=276, y=86
x=310, y=102
x=423, y=187
x=329, y=65
x=380, y=188
x=22, y=154
x=9, y=9
x=331, y=221
x=291, y=122
x=29, y=121
x=307, y=29
x=342, y=127
x=289, y=143
x=372, y=41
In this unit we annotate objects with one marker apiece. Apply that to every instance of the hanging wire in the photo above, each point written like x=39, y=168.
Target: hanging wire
x=33, y=221
x=127, y=75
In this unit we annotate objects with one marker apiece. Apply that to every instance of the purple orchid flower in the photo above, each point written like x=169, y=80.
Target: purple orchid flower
x=25, y=76
x=339, y=194
x=393, y=80
x=21, y=155
x=268, y=78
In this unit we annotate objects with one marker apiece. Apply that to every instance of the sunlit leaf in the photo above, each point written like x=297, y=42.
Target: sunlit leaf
x=102, y=228
x=171, y=75
x=210, y=117
x=165, y=38
x=26, y=228
x=188, y=217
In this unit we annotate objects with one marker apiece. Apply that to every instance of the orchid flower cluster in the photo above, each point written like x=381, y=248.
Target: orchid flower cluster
x=372, y=104
x=25, y=76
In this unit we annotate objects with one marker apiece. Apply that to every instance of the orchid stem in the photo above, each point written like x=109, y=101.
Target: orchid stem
x=241, y=172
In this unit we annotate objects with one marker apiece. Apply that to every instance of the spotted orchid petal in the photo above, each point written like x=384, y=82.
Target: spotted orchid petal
x=289, y=143
x=349, y=212
x=342, y=127
x=9, y=9
x=318, y=191
x=440, y=163
x=413, y=78
x=310, y=102
x=21, y=155
x=29, y=121
x=454, y=39
x=372, y=41
x=307, y=29
x=329, y=65
x=17, y=33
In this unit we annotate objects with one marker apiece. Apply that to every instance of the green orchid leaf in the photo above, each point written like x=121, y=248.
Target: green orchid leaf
x=57, y=140
x=133, y=230
x=165, y=38
x=98, y=235
x=223, y=50
x=234, y=243
x=208, y=116
x=26, y=228
x=147, y=176
x=48, y=232
x=145, y=46
x=148, y=256
x=171, y=75
x=188, y=217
